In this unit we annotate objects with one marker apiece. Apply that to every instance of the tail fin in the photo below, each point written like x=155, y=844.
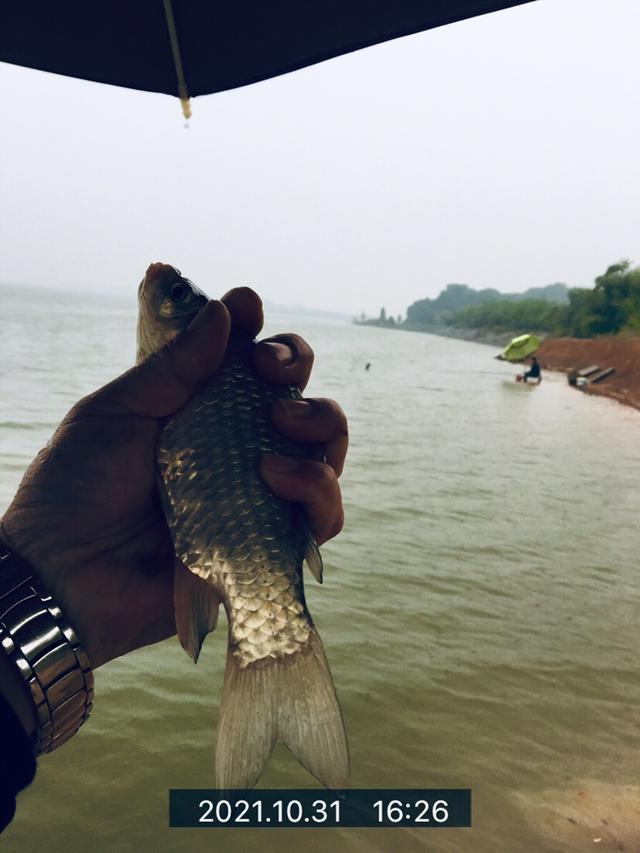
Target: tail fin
x=290, y=699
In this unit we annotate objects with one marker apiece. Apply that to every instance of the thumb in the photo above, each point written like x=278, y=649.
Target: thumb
x=159, y=386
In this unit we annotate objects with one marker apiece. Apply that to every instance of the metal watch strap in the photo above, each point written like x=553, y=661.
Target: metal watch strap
x=44, y=647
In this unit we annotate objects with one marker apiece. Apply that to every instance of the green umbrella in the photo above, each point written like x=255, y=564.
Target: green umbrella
x=520, y=347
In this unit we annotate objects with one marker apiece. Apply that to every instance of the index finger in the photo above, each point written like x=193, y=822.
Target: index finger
x=245, y=307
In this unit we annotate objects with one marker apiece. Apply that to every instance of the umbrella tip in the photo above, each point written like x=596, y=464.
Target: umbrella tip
x=186, y=107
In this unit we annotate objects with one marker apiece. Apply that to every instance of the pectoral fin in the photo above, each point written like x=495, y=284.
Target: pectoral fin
x=313, y=560
x=196, y=607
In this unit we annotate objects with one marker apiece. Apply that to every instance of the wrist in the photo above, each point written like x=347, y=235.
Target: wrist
x=17, y=695
x=40, y=648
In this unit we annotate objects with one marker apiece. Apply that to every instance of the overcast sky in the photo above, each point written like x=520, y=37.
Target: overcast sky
x=498, y=152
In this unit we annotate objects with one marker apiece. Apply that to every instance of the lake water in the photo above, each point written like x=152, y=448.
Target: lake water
x=480, y=609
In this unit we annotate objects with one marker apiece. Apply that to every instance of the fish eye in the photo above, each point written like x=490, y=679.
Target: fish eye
x=178, y=291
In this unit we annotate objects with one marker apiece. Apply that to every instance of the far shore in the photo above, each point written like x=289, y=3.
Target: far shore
x=564, y=355
x=476, y=336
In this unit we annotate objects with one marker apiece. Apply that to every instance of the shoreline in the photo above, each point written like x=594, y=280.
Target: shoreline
x=562, y=355
x=475, y=336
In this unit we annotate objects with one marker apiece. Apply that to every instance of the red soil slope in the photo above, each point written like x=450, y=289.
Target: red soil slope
x=621, y=353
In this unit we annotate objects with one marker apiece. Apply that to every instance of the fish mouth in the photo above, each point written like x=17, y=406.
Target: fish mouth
x=153, y=273
x=160, y=270
x=155, y=269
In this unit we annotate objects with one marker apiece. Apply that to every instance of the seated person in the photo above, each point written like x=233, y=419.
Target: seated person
x=534, y=371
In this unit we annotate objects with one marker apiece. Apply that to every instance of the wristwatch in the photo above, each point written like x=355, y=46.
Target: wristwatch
x=46, y=651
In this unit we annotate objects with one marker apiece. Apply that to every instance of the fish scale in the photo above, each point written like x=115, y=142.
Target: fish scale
x=250, y=544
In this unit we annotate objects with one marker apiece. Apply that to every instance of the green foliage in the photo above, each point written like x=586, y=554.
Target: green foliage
x=551, y=293
x=451, y=299
x=612, y=306
x=502, y=315
x=444, y=309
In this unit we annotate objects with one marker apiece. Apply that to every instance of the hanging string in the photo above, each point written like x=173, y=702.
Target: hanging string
x=183, y=92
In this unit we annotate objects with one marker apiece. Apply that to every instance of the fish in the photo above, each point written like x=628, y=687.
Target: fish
x=240, y=546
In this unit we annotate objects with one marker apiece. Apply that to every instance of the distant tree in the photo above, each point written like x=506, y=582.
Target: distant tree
x=439, y=311
x=503, y=315
x=383, y=315
x=578, y=318
x=612, y=306
x=399, y=320
x=551, y=292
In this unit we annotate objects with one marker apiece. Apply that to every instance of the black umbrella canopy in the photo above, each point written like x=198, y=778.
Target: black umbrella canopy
x=142, y=44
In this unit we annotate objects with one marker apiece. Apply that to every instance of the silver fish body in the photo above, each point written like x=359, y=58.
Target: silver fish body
x=226, y=524
x=241, y=546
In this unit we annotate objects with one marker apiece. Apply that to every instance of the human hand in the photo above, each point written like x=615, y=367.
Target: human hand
x=87, y=516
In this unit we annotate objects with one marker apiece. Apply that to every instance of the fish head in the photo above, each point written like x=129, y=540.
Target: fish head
x=167, y=303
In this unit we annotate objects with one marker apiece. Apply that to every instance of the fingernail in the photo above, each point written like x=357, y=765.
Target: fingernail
x=296, y=408
x=205, y=314
x=280, y=464
x=280, y=352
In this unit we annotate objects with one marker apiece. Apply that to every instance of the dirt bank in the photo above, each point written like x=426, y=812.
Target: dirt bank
x=621, y=353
